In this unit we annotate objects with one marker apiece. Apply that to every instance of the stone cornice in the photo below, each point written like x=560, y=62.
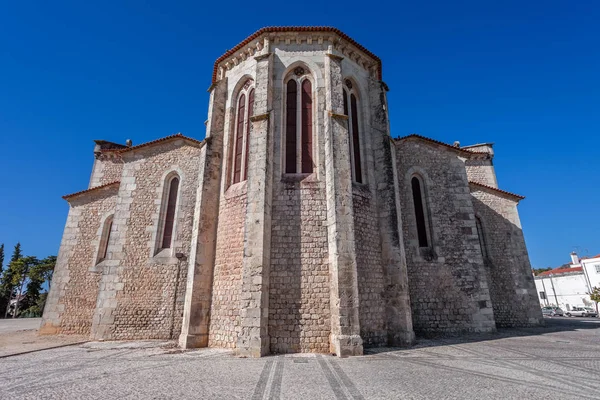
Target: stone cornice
x=320, y=35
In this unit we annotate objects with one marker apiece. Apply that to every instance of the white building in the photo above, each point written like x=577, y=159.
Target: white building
x=569, y=286
x=591, y=268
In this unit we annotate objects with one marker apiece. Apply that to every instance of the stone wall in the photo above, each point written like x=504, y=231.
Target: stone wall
x=107, y=168
x=225, y=310
x=142, y=289
x=299, y=318
x=369, y=269
x=512, y=286
x=448, y=285
x=74, y=289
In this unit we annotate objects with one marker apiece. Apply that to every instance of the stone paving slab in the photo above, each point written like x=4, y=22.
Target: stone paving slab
x=560, y=362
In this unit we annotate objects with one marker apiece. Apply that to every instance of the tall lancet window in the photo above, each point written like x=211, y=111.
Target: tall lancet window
x=241, y=138
x=299, y=123
x=169, y=213
x=351, y=109
x=420, y=212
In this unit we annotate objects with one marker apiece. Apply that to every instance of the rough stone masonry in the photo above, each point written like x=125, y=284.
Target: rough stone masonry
x=297, y=225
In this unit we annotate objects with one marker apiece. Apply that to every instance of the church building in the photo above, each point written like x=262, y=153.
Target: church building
x=299, y=224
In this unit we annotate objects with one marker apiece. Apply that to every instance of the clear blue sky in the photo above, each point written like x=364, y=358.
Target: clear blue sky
x=522, y=74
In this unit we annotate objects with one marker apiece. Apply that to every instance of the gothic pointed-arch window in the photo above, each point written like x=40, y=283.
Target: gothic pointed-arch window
x=420, y=212
x=351, y=109
x=299, y=123
x=241, y=138
x=104, y=239
x=169, y=210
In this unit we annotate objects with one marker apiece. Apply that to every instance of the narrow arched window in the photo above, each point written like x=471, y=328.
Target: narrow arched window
x=240, y=145
x=239, y=139
x=290, y=126
x=104, y=239
x=481, y=237
x=307, y=160
x=247, y=137
x=419, y=212
x=299, y=110
x=167, y=236
x=351, y=110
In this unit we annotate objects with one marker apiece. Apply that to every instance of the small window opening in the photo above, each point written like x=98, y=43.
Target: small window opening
x=419, y=212
x=481, y=236
x=104, y=239
x=170, y=214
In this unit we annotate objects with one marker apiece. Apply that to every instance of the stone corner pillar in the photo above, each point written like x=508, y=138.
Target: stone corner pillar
x=253, y=340
x=196, y=312
x=396, y=294
x=345, y=339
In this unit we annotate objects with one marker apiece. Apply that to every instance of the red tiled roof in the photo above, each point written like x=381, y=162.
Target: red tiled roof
x=588, y=258
x=560, y=270
x=276, y=29
x=426, y=139
x=518, y=196
x=164, y=139
x=68, y=196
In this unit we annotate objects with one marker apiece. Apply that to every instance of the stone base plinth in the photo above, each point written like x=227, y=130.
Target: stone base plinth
x=193, y=341
x=346, y=345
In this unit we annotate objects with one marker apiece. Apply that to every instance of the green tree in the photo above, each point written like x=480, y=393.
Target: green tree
x=40, y=273
x=21, y=269
x=7, y=287
x=595, y=296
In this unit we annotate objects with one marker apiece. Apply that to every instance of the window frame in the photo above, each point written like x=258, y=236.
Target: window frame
x=248, y=92
x=299, y=75
x=425, y=210
x=164, y=205
x=350, y=88
x=104, y=239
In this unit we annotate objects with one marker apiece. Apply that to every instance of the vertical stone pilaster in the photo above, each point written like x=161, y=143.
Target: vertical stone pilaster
x=396, y=294
x=345, y=337
x=196, y=312
x=253, y=340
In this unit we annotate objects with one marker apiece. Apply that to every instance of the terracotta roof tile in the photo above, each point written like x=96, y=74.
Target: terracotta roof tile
x=518, y=196
x=276, y=29
x=560, y=271
x=69, y=196
x=426, y=139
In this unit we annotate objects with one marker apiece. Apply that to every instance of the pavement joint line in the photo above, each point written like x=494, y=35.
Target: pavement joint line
x=346, y=381
x=275, y=392
x=261, y=385
x=333, y=382
x=45, y=348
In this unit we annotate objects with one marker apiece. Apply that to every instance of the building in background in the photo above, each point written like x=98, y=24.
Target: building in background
x=569, y=285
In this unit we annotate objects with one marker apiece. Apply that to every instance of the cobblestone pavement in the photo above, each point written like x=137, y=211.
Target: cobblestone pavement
x=561, y=361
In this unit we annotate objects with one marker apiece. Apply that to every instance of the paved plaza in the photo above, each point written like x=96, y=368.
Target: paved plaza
x=560, y=361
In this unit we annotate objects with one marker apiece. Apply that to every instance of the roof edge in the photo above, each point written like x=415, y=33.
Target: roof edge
x=437, y=142
x=96, y=188
x=481, y=185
